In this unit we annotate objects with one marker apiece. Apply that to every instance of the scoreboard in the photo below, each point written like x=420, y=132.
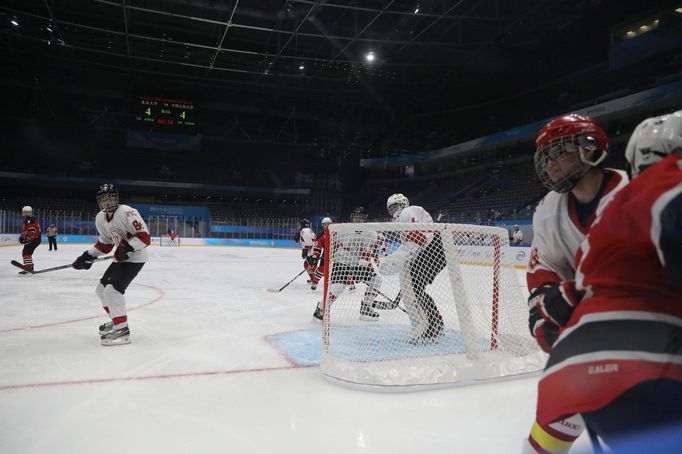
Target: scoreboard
x=160, y=114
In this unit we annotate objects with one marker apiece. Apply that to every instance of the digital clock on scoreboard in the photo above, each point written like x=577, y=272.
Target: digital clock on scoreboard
x=160, y=114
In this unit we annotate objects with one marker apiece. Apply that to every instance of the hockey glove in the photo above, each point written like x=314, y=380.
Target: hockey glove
x=545, y=333
x=555, y=303
x=84, y=261
x=121, y=253
x=311, y=260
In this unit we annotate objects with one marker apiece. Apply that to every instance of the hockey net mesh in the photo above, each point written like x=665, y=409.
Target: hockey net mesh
x=167, y=240
x=432, y=304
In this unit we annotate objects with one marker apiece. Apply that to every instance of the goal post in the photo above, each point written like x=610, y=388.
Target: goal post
x=167, y=240
x=451, y=311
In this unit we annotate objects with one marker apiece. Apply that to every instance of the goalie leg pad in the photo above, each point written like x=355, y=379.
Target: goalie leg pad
x=416, y=314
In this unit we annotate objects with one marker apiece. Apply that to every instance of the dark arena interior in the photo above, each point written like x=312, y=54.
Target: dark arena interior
x=228, y=122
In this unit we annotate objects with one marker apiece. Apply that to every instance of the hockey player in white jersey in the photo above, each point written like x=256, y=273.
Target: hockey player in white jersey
x=352, y=258
x=306, y=238
x=569, y=156
x=121, y=227
x=419, y=259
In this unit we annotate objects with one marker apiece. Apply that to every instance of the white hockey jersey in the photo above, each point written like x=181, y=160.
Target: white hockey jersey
x=557, y=234
x=414, y=213
x=126, y=224
x=358, y=248
x=307, y=238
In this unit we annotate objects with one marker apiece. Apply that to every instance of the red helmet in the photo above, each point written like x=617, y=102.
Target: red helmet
x=567, y=140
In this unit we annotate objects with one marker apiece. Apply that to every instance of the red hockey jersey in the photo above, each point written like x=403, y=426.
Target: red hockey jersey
x=31, y=227
x=627, y=328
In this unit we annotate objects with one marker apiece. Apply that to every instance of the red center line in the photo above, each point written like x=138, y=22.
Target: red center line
x=148, y=377
x=161, y=296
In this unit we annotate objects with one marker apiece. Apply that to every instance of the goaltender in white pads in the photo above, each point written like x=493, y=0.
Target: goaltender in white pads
x=419, y=259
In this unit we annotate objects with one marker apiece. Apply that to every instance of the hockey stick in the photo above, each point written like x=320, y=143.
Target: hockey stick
x=594, y=439
x=274, y=290
x=390, y=304
x=60, y=267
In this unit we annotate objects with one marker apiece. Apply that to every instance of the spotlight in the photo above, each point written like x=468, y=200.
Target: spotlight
x=370, y=56
x=416, y=9
x=14, y=21
x=301, y=67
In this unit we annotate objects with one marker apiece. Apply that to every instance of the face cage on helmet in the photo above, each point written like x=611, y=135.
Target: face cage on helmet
x=112, y=202
x=357, y=218
x=560, y=150
x=395, y=209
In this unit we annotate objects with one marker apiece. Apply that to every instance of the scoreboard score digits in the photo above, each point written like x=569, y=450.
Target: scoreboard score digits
x=165, y=115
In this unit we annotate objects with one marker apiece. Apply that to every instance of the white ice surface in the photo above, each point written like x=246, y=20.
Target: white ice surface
x=200, y=376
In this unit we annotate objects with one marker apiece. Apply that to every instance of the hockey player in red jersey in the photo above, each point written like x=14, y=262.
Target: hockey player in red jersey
x=569, y=154
x=316, y=258
x=120, y=227
x=30, y=237
x=619, y=354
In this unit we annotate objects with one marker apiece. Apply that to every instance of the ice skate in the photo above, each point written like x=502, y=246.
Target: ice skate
x=318, y=315
x=119, y=336
x=106, y=328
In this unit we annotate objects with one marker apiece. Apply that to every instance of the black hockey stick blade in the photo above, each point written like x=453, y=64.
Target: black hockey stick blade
x=55, y=268
x=275, y=290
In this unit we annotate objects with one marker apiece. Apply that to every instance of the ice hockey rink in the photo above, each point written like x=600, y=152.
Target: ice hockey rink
x=216, y=365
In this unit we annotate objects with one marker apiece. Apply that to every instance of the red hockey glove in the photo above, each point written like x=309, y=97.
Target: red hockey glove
x=556, y=302
x=545, y=333
x=121, y=253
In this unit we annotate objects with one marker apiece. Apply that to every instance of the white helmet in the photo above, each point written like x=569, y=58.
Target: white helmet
x=27, y=209
x=396, y=203
x=325, y=222
x=652, y=140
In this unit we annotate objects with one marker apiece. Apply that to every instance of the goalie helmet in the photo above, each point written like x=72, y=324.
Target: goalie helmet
x=27, y=211
x=358, y=215
x=566, y=148
x=396, y=203
x=303, y=223
x=325, y=222
x=652, y=140
x=107, y=198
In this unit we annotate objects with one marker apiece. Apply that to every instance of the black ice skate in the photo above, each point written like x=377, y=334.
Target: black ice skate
x=106, y=328
x=119, y=336
x=367, y=313
x=318, y=314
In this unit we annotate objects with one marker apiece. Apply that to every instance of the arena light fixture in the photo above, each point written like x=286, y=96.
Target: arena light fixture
x=678, y=10
x=370, y=56
x=416, y=9
x=14, y=21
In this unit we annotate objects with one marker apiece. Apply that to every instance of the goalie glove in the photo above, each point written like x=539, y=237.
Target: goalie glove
x=555, y=303
x=121, y=253
x=83, y=262
x=393, y=263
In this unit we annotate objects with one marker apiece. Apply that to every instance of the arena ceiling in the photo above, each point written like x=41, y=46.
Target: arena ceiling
x=309, y=58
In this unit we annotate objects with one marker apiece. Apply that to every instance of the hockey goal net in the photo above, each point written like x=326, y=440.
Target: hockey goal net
x=434, y=304
x=167, y=240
